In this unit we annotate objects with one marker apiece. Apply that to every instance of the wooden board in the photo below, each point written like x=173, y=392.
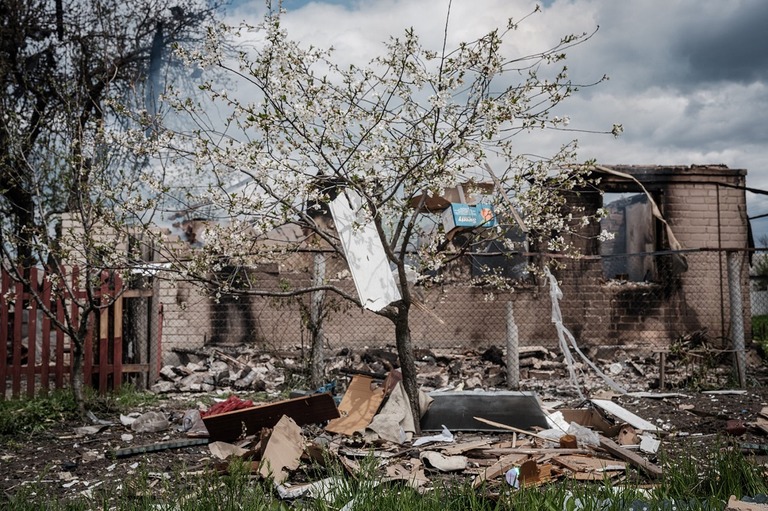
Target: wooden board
x=625, y=415
x=615, y=449
x=229, y=426
x=576, y=463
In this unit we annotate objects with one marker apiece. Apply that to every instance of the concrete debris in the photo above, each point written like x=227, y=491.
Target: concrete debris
x=243, y=369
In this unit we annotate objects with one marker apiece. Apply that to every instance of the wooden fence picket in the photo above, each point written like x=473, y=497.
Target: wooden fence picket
x=46, y=359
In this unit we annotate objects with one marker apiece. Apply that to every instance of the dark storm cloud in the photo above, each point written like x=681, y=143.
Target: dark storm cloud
x=730, y=48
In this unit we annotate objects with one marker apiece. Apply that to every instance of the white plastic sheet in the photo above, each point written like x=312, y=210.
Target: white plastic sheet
x=567, y=340
x=367, y=260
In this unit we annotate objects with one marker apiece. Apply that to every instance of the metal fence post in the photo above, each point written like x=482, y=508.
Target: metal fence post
x=513, y=353
x=737, y=314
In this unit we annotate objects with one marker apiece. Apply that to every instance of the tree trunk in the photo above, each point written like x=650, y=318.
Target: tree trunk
x=76, y=376
x=407, y=364
x=316, y=316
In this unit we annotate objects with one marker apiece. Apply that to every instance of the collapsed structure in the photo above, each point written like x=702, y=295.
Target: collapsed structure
x=657, y=278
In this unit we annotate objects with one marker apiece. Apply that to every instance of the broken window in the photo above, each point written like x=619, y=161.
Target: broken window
x=629, y=255
x=505, y=258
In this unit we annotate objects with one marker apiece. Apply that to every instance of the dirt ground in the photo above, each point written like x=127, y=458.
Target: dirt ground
x=70, y=463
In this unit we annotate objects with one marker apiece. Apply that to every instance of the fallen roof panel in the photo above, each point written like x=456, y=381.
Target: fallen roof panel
x=456, y=410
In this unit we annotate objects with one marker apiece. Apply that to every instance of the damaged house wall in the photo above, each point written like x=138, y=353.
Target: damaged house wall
x=705, y=207
x=637, y=295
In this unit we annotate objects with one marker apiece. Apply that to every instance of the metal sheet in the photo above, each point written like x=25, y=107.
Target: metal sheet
x=456, y=410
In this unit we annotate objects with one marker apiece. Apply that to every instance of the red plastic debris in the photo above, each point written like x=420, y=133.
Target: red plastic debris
x=231, y=404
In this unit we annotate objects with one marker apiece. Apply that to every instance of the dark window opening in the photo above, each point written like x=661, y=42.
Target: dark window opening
x=504, y=258
x=629, y=255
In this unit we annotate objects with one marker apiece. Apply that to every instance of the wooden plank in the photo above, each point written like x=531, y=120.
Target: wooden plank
x=495, y=452
x=616, y=450
x=625, y=415
x=45, y=332
x=576, y=463
x=511, y=428
x=104, y=333
x=75, y=278
x=4, y=286
x=138, y=293
x=229, y=426
x=88, y=351
x=32, y=332
x=18, y=311
x=59, y=369
x=117, y=335
x=499, y=468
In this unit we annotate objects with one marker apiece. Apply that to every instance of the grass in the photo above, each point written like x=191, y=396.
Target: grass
x=688, y=483
x=760, y=334
x=22, y=417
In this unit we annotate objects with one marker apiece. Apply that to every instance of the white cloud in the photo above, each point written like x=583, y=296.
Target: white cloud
x=686, y=76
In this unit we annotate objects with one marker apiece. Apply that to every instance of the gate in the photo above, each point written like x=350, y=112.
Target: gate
x=37, y=355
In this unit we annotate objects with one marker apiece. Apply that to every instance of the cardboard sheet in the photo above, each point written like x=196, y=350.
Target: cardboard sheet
x=283, y=451
x=360, y=403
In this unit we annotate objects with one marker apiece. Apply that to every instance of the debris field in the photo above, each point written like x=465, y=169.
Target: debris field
x=219, y=406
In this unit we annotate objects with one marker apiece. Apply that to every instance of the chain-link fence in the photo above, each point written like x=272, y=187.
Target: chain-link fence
x=642, y=305
x=758, y=297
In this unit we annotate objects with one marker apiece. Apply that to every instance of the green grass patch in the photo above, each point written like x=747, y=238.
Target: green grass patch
x=760, y=333
x=21, y=417
x=24, y=416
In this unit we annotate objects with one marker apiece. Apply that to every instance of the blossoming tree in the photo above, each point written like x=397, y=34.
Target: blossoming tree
x=410, y=122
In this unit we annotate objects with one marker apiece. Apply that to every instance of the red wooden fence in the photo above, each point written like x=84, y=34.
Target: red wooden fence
x=42, y=358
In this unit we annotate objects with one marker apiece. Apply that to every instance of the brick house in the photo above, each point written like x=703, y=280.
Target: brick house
x=633, y=291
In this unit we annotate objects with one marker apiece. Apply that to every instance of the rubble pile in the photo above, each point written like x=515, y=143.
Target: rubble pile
x=470, y=427
x=541, y=369
x=489, y=438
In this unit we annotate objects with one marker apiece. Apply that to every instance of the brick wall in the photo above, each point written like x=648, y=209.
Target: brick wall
x=705, y=213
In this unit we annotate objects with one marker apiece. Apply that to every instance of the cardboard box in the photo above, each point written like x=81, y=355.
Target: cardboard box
x=591, y=418
x=469, y=216
x=468, y=192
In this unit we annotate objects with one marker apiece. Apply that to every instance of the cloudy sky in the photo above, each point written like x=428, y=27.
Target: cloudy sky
x=688, y=78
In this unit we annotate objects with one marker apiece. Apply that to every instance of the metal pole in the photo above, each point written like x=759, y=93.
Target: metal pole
x=513, y=353
x=737, y=314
